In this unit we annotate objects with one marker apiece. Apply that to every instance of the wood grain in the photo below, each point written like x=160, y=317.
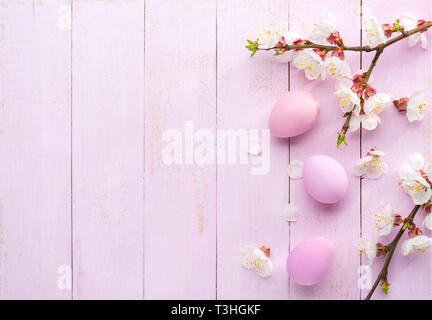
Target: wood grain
x=180, y=206
x=250, y=206
x=35, y=146
x=108, y=164
x=88, y=88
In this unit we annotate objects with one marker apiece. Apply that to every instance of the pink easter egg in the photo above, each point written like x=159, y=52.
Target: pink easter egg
x=324, y=179
x=293, y=114
x=309, y=262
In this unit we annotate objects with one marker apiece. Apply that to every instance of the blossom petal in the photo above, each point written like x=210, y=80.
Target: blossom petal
x=417, y=161
x=290, y=212
x=295, y=169
x=428, y=221
x=354, y=123
x=369, y=123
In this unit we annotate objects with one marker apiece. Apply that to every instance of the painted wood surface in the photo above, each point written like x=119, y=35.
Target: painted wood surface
x=87, y=90
x=107, y=149
x=35, y=188
x=180, y=199
x=248, y=205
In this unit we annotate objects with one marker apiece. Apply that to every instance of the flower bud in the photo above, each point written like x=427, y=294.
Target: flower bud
x=388, y=30
x=401, y=104
x=266, y=250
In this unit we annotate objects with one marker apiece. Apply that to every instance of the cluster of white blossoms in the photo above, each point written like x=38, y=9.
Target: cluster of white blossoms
x=313, y=62
x=377, y=33
x=354, y=94
x=415, y=181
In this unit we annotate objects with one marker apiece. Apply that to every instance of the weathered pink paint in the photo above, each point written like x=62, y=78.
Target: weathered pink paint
x=409, y=277
x=108, y=139
x=144, y=229
x=250, y=206
x=35, y=185
x=180, y=200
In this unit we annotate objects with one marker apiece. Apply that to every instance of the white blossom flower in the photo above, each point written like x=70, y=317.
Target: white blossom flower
x=415, y=245
x=414, y=182
x=324, y=28
x=295, y=169
x=290, y=212
x=371, y=165
x=337, y=68
x=427, y=222
x=374, y=31
x=255, y=258
x=409, y=22
x=311, y=63
x=346, y=98
x=385, y=219
x=271, y=35
x=416, y=106
x=368, y=248
x=372, y=107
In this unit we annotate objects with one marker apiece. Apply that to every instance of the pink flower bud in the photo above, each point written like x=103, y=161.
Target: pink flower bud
x=334, y=38
x=298, y=42
x=338, y=53
x=358, y=79
x=414, y=232
x=369, y=92
x=266, y=250
x=420, y=23
x=322, y=53
x=397, y=220
x=401, y=104
x=381, y=249
x=387, y=30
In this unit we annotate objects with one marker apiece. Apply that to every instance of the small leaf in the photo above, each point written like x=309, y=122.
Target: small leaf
x=385, y=287
x=341, y=139
x=405, y=226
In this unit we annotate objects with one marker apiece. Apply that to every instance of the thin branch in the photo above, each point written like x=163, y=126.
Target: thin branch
x=373, y=63
x=391, y=248
x=380, y=47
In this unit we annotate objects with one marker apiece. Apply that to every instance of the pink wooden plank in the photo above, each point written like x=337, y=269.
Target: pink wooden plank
x=108, y=130
x=339, y=222
x=180, y=207
x=250, y=206
x=409, y=277
x=35, y=147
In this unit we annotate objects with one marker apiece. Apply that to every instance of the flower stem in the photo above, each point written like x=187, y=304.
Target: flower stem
x=380, y=47
x=374, y=61
x=391, y=248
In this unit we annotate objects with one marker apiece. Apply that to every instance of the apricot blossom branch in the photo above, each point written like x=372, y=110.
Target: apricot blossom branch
x=416, y=178
x=359, y=102
x=382, y=276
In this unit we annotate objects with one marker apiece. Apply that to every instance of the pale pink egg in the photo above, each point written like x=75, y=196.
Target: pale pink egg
x=310, y=261
x=324, y=179
x=293, y=114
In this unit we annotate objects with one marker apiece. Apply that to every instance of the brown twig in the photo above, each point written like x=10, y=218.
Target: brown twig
x=380, y=47
x=391, y=248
